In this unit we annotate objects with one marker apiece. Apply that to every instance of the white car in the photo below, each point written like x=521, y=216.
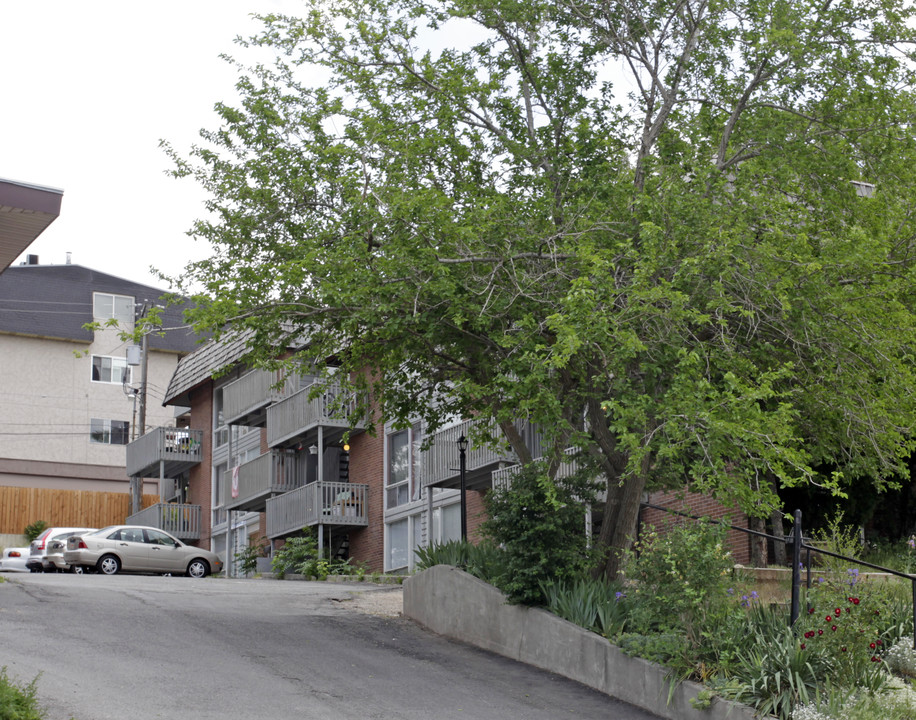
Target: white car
x=38, y=560
x=137, y=548
x=14, y=560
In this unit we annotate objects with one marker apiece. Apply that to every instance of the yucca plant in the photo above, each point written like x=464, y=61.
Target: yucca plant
x=593, y=604
x=774, y=674
x=455, y=553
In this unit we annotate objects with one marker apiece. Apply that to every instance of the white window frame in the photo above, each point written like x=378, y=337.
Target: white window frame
x=103, y=427
x=400, y=491
x=109, y=306
x=435, y=528
x=412, y=482
x=389, y=552
x=113, y=364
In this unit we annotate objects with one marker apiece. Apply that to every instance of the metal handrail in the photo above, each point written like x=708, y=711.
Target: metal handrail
x=798, y=544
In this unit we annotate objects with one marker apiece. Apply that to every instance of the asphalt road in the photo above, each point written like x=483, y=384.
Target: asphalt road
x=145, y=648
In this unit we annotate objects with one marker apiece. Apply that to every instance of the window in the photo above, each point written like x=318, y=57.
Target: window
x=397, y=490
x=402, y=473
x=398, y=550
x=116, y=307
x=109, y=432
x=156, y=537
x=446, y=524
x=110, y=369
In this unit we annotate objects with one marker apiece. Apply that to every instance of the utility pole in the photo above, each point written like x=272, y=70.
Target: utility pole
x=136, y=483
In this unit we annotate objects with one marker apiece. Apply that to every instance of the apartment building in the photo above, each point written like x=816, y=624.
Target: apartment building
x=69, y=396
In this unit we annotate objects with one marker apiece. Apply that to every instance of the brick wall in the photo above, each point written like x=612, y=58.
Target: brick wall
x=477, y=514
x=200, y=476
x=702, y=506
x=367, y=465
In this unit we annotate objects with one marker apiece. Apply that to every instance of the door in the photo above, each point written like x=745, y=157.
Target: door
x=164, y=556
x=130, y=545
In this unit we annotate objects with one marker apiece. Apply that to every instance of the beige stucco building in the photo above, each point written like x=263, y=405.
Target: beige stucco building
x=67, y=393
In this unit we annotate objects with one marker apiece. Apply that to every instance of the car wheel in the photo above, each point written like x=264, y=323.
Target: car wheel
x=108, y=565
x=198, y=568
x=77, y=569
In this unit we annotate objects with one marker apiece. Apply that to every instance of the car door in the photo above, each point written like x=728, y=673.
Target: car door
x=164, y=556
x=131, y=547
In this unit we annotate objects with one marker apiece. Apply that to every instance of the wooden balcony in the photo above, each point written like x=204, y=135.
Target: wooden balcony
x=269, y=474
x=337, y=504
x=441, y=461
x=296, y=416
x=164, y=452
x=181, y=520
x=245, y=401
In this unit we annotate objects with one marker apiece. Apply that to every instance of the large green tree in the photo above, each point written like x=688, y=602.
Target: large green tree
x=676, y=235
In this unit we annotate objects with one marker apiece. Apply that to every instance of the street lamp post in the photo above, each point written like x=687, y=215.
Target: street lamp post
x=462, y=473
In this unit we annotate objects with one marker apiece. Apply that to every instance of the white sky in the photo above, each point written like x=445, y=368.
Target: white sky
x=88, y=91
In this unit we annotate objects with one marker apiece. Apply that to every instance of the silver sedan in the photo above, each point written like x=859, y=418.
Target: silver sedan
x=135, y=548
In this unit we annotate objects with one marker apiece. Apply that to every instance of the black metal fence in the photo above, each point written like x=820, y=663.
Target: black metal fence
x=798, y=545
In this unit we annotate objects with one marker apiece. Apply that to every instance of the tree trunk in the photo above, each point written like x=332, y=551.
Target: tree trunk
x=758, y=544
x=779, y=547
x=618, y=527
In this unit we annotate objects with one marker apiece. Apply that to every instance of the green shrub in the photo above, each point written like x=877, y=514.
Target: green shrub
x=18, y=702
x=247, y=558
x=299, y=555
x=484, y=560
x=841, y=626
x=33, y=530
x=661, y=648
x=773, y=674
x=593, y=604
x=454, y=552
x=681, y=579
x=540, y=526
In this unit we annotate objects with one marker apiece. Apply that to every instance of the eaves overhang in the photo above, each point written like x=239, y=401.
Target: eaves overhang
x=25, y=212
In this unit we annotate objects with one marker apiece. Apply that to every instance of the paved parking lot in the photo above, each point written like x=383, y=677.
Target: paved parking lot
x=181, y=649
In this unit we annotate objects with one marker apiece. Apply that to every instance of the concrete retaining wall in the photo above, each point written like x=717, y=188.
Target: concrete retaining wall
x=11, y=540
x=450, y=602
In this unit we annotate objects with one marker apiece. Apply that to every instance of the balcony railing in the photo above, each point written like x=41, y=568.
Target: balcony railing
x=164, y=452
x=318, y=503
x=245, y=401
x=441, y=460
x=502, y=478
x=294, y=416
x=179, y=519
x=269, y=474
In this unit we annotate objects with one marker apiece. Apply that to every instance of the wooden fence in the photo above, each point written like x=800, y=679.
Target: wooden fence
x=63, y=508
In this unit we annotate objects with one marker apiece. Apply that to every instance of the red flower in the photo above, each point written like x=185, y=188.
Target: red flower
x=837, y=611
x=874, y=659
x=872, y=646
x=829, y=618
x=833, y=628
x=843, y=649
x=820, y=632
x=880, y=643
x=803, y=646
x=811, y=611
x=854, y=601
